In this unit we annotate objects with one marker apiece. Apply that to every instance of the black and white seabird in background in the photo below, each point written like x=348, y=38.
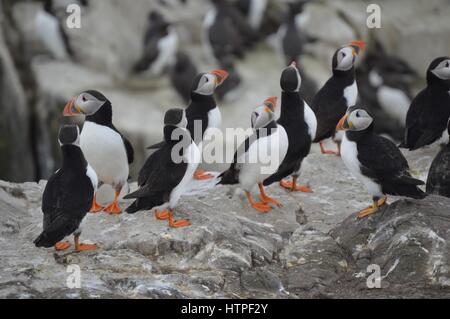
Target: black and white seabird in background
x=160, y=46
x=384, y=88
x=337, y=95
x=163, y=178
x=300, y=124
x=427, y=117
x=438, y=181
x=182, y=75
x=375, y=160
x=51, y=32
x=249, y=168
x=202, y=112
x=68, y=195
x=105, y=148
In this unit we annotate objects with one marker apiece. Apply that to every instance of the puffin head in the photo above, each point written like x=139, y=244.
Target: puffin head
x=345, y=57
x=87, y=103
x=69, y=134
x=175, y=117
x=206, y=83
x=357, y=118
x=264, y=114
x=290, y=80
x=439, y=68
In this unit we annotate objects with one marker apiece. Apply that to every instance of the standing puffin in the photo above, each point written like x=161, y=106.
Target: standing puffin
x=105, y=148
x=249, y=168
x=68, y=195
x=160, y=46
x=429, y=112
x=300, y=124
x=438, y=181
x=337, y=95
x=375, y=160
x=163, y=178
x=182, y=74
x=202, y=113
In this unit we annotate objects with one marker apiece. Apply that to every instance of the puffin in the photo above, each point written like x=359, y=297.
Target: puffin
x=299, y=122
x=337, y=95
x=160, y=46
x=249, y=167
x=202, y=112
x=165, y=177
x=438, y=181
x=50, y=31
x=68, y=195
x=427, y=117
x=375, y=160
x=253, y=10
x=105, y=148
x=182, y=74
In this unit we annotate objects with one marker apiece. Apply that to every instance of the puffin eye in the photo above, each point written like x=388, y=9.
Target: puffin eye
x=357, y=114
x=447, y=64
x=84, y=98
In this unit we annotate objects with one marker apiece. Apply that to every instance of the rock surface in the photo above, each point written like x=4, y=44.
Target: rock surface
x=313, y=247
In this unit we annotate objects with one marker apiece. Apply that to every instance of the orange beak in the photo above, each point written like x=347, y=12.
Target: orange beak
x=221, y=76
x=357, y=45
x=343, y=124
x=68, y=108
x=271, y=103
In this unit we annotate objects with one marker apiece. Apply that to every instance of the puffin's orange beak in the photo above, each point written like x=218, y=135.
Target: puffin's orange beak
x=271, y=103
x=68, y=108
x=357, y=45
x=221, y=76
x=343, y=124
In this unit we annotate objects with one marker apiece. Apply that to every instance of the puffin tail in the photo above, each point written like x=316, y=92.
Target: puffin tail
x=417, y=193
x=229, y=177
x=44, y=240
x=133, y=208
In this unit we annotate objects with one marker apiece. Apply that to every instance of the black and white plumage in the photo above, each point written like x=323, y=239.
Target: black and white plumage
x=300, y=124
x=160, y=46
x=163, y=178
x=438, y=181
x=338, y=94
x=375, y=160
x=68, y=194
x=105, y=148
x=259, y=156
x=427, y=117
x=182, y=75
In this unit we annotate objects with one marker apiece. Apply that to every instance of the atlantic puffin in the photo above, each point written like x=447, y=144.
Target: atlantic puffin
x=427, y=117
x=182, y=75
x=375, y=160
x=160, y=46
x=337, y=95
x=249, y=168
x=68, y=195
x=105, y=148
x=438, y=181
x=164, y=177
x=202, y=112
x=300, y=124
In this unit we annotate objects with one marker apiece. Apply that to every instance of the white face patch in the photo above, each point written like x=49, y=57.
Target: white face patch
x=206, y=85
x=359, y=120
x=442, y=71
x=88, y=103
x=345, y=59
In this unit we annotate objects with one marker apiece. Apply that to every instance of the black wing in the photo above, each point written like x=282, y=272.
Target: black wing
x=438, y=181
x=192, y=116
x=128, y=146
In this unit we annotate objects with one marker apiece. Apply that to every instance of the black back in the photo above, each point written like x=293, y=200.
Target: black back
x=182, y=76
x=198, y=111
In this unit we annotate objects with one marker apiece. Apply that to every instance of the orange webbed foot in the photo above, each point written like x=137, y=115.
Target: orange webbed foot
x=179, y=223
x=162, y=215
x=269, y=200
x=85, y=247
x=261, y=207
x=113, y=209
x=202, y=175
x=294, y=187
x=96, y=207
x=62, y=245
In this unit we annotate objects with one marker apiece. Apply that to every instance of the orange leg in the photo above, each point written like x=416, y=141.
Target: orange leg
x=177, y=223
x=96, y=207
x=266, y=199
x=80, y=246
x=372, y=209
x=324, y=151
x=202, y=175
x=114, y=207
x=293, y=187
x=163, y=215
x=261, y=207
x=62, y=245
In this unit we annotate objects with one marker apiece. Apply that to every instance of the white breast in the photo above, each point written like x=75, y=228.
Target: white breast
x=48, y=31
x=256, y=14
x=208, y=21
x=92, y=176
x=394, y=102
x=349, y=154
x=263, y=158
x=105, y=151
x=351, y=94
x=167, y=47
x=214, y=118
x=192, y=157
x=311, y=121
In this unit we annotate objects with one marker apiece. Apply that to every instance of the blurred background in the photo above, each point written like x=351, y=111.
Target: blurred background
x=143, y=54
